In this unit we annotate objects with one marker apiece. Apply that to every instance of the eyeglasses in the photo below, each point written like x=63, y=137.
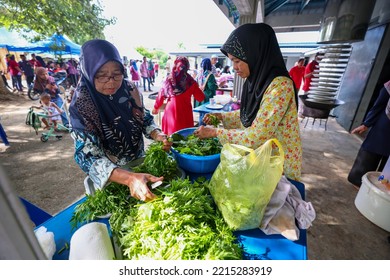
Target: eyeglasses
x=106, y=79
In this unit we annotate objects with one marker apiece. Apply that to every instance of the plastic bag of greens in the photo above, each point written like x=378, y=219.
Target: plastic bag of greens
x=243, y=183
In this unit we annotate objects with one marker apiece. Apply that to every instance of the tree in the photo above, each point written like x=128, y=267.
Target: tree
x=80, y=20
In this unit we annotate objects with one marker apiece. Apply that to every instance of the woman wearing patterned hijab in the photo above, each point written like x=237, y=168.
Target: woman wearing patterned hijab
x=269, y=101
x=177, y=90
x=109, y=120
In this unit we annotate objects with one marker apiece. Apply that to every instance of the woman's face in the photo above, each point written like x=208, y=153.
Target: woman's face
x=240, y=67
x=108, y=78
x=44, y=76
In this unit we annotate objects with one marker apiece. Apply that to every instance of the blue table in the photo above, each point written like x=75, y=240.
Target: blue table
x=203, y=110
x=257, y=245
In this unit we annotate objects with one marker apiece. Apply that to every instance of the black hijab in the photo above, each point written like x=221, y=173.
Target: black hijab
x=256, y=44
x=116, y=120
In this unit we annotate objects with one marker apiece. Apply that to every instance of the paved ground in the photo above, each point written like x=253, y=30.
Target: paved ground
x=46, y=175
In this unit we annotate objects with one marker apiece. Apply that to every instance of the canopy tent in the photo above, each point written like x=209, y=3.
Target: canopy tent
x=13, y=41
x=56, y=44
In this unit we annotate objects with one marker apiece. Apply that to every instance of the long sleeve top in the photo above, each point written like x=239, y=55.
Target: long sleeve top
x=377, y=139
x=144, y=70
x=178, y=112
x=90, y=156
x=277, y=118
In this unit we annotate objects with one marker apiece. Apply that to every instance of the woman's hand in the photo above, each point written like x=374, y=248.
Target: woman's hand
x=155, y=111
x=205, y=132
x=360, y=129
x=137, y=183
x=207, y=119
x=162, y=137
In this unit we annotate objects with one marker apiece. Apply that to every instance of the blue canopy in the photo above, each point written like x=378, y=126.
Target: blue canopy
x=56, y=44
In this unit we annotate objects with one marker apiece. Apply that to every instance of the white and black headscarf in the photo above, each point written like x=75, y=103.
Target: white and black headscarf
x=256, y=44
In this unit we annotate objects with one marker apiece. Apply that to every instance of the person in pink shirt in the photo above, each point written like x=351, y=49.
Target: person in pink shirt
x=177, y=90
x=134, y=73
x=145, y=73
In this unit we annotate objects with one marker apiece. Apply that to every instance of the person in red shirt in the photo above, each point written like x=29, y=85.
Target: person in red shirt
x=297, y=72
x=176, y=92
x=309, y=71
x=16, y=73
x=34, y=62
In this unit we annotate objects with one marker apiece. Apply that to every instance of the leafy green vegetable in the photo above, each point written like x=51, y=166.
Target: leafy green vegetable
x=107, y=200
x=192, y=145
x=158, y=163
x=183, y=223
x=214, y=120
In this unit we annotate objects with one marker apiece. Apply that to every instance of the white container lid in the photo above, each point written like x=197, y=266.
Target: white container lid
x=371, y=181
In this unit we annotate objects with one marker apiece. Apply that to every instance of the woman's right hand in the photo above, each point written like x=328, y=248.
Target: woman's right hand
x=137, y=184
x=360, y=129
x=207, y=119
x=154, y=111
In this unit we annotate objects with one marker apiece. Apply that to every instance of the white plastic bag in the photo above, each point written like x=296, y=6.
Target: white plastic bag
x=91, y=242
x=47, y=242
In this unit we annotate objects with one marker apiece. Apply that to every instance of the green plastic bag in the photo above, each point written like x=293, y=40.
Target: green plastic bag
x=243, y=183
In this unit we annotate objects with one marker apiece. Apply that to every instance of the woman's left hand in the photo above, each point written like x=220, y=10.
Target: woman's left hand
x=205, y=132
x=161, y=137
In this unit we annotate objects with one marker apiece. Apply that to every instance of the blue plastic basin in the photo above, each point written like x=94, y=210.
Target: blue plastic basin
x=195, y=164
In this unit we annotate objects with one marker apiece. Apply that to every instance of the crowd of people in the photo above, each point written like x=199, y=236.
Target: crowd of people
x=27, y=68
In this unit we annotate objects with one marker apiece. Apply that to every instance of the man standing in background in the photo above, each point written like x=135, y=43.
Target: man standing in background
x=145, y=73
x=297, y=72
x=309, y=71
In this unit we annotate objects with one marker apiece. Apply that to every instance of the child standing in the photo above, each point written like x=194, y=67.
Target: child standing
x=51, y=109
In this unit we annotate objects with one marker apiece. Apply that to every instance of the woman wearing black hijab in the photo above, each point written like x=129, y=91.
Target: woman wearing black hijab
x=269, y=101
x=109, y=120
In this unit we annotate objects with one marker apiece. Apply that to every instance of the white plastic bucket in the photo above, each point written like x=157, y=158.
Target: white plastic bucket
x=373, y=200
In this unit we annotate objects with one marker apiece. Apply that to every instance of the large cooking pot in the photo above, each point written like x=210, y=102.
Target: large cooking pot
x=325, y=105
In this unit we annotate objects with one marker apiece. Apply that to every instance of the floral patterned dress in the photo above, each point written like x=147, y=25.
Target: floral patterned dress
x=277, y=118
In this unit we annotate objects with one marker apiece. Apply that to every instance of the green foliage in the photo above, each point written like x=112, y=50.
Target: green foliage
x=144, y=52
x=158, y=163
x=192, y=145
x=81, y=20
x=155, y=54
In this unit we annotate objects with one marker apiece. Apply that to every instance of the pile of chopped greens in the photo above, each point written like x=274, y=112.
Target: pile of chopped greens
x=107, y=200
x=183, y=223
x=192, y=145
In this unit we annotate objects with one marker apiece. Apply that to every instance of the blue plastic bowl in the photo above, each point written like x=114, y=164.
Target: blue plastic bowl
x=195, y=164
